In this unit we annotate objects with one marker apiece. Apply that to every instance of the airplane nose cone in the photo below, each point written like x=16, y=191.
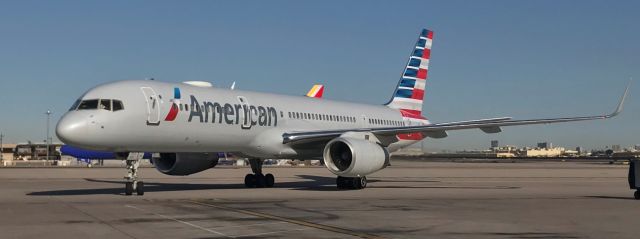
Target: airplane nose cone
x=71, y=130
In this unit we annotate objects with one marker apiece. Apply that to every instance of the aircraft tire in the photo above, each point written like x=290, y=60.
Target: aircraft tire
x=270, y=180
x=637, y=195
x=354, y=182
x=128, y=188
x=250, y=181
x=340, y=182
x=362, y=182
x=261, y=181
x=140, y=188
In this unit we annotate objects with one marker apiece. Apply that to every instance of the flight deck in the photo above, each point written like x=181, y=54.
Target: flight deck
x=410, y=199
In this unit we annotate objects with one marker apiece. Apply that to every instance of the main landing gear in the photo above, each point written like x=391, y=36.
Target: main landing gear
x=351, y=182
x=257, y=179
x=132, y=184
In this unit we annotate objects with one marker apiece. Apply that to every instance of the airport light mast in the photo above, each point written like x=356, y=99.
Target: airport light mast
x=1, y=148
x=48, y=117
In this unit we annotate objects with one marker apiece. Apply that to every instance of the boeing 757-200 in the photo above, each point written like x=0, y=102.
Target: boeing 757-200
x=185, y=124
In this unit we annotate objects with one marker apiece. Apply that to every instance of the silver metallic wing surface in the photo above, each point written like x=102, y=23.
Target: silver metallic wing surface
x=487, y=125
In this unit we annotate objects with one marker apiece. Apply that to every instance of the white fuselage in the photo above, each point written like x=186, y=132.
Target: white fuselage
x=210, y=119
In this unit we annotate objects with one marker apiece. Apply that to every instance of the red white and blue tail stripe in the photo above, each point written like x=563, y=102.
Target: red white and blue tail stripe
x=409, y=93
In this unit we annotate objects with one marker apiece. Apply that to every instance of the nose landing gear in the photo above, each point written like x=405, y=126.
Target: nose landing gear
x=132, y=183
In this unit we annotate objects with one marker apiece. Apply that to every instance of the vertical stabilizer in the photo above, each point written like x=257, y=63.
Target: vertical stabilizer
x=409, y=93
x=316, y=91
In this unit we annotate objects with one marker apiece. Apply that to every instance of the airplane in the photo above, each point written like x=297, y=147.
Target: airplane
x=185, y=124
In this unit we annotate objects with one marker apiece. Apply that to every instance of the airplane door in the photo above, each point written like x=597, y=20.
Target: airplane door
x=153, y=106
x=245, y=117
x=365, y=122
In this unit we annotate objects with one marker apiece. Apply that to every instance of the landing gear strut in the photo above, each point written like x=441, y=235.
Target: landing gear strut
x=257, y=179
x=351, y=182
x=132, y=184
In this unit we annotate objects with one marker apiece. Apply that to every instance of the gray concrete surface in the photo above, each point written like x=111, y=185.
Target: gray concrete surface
x=407, y=200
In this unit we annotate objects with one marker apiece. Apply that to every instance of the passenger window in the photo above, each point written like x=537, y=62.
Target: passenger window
x=88, y=105
x=105, y=104
x=117, y=105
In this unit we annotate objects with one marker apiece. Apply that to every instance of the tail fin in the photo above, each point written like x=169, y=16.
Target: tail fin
x=316, y=91
x=409, y=93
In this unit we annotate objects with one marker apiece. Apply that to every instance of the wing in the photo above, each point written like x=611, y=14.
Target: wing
x=439, y=130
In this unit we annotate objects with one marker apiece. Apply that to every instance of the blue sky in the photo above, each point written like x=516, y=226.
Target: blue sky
x=524, y=59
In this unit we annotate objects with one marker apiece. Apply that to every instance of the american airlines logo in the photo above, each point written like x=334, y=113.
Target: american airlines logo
x=224, y=113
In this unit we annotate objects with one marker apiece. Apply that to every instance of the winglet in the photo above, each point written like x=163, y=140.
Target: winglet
x=621, y=104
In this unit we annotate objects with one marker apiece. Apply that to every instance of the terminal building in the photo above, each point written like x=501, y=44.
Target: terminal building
x=7, y=152
x=30, y=152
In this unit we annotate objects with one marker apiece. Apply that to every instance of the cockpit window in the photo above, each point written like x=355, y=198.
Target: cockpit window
x=75, y=105
x=105, y=104
x=88, y=105
x=117, y=105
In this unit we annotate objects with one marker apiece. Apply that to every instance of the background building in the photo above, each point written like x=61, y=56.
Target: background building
x=7, y=152
x=616, y=148
x=545, y=145
x=494, y=144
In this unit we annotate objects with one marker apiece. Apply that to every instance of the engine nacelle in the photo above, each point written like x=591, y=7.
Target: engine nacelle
x=350, y=157
x=185, y=163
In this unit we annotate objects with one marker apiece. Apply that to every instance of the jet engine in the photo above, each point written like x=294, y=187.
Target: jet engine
x=181, y=164
x=351, y=157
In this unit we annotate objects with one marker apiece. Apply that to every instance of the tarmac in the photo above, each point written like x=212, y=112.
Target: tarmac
x=409, y=199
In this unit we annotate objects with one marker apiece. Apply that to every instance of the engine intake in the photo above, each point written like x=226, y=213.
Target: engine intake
x=351, y=157
x=181, y=164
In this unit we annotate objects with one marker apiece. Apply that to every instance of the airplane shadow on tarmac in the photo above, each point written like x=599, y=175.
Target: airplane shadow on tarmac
x=311, y=183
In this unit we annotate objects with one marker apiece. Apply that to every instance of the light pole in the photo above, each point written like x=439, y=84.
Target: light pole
x=1, y=148
x=48, y=116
